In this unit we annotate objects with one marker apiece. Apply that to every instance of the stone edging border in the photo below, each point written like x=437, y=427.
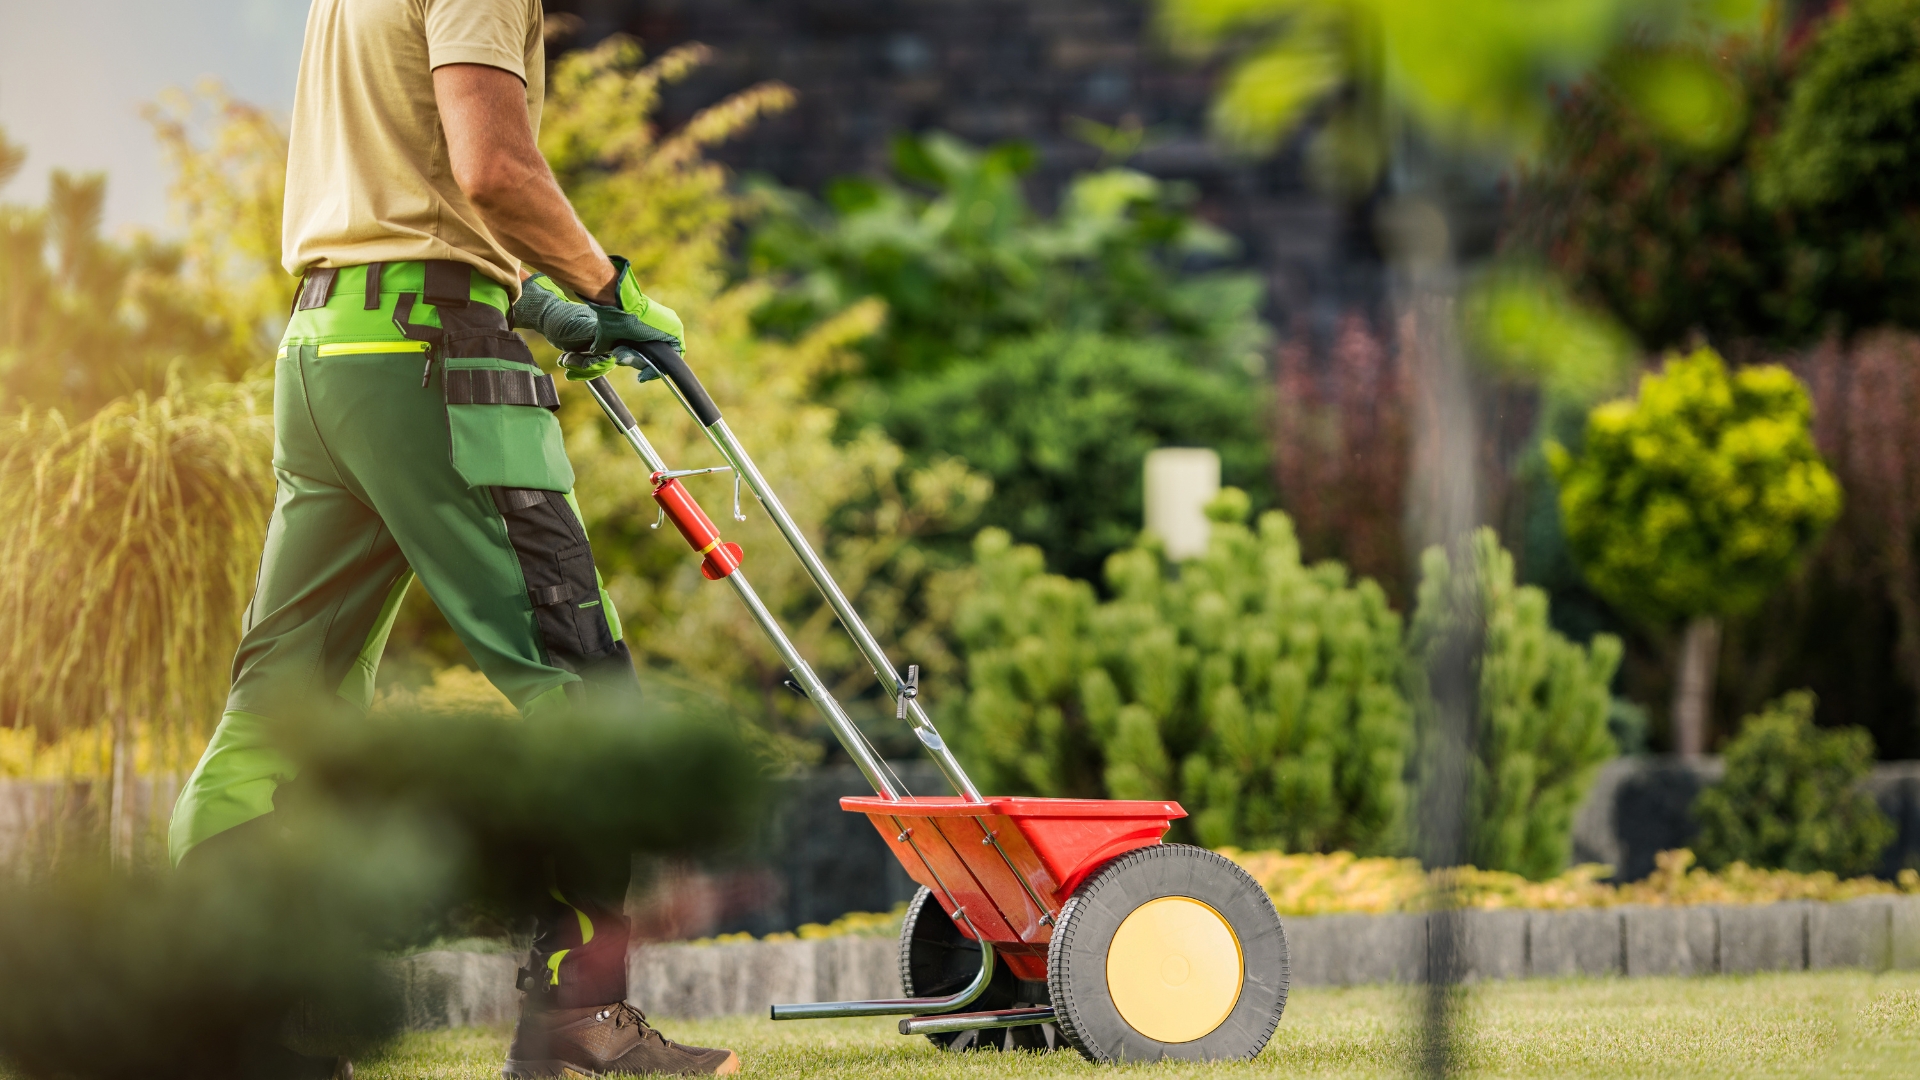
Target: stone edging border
x=456, y=989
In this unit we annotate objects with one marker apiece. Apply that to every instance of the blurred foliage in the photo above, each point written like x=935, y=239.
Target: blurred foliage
x=1543, y=705
x=1529, y=327
x=1845, y=162
x=1342, y=447
x=1670, y=238
x=970, y=266
x=1338, y=882
x=1050, y=354
x=271, y=930
x=863, y=505
x=648, y=195
x=1701, y=496
x=671, y=776
x=1477, y=74
x=1792, y=796
x=86, y=319
x=1261, y=693
x=1061, y=423
x=131, y=540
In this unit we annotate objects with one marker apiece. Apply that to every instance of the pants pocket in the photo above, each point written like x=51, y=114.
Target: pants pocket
x=558, y=567
x=502, y=431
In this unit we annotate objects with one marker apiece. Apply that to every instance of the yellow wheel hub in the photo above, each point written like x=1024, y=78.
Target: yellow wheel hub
x=1174, y=969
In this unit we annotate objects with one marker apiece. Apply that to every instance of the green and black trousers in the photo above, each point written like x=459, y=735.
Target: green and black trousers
x=415, y=436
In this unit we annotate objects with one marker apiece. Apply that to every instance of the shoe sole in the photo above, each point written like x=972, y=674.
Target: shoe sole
x=529, y=1070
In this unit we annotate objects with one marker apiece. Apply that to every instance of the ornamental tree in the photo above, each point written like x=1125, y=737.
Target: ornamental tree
x=1693, y=503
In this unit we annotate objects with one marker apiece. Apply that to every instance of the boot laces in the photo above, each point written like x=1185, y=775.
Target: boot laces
x=625, y=1015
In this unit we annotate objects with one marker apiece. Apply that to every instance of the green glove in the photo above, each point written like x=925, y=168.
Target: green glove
x=636, y=318
x=580, y=367
x=542, y=307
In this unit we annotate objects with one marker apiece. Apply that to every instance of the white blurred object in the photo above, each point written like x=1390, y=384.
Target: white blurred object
x=1181, y=481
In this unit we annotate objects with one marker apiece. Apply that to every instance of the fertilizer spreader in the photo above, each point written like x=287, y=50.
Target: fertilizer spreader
x=1039, y=922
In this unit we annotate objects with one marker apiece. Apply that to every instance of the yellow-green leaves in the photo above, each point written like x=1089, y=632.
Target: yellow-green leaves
x=1527, y=325
x=1684, y=97
x=1477, y=74
x=1701, y=497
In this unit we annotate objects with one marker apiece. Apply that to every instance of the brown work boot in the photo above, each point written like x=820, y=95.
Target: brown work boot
x=606, y=1040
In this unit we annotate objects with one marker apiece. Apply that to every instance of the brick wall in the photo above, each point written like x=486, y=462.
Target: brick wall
x=992, y=70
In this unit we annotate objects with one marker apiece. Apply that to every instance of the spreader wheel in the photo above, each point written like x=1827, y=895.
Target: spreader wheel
x=1168, y=951
x=937, y=960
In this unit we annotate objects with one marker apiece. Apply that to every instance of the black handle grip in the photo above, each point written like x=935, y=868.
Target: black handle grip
x=609, y=397
x=667, y=360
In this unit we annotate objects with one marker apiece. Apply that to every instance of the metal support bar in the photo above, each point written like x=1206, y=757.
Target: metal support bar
x=820, y=1010
x=843, y=727
x=890, y=681
x=973, y=1021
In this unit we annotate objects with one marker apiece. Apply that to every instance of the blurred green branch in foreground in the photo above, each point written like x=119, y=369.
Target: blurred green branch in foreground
x=394, y=827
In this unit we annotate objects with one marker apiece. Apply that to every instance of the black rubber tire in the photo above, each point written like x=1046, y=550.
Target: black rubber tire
x=936, y=960
x=1077, y=959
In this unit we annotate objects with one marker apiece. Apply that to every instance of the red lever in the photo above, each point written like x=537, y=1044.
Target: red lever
x=717, y=557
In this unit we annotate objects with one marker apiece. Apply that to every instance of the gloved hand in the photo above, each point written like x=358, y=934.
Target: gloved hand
x=581, y=367
x=635, y=318
x=541, y=307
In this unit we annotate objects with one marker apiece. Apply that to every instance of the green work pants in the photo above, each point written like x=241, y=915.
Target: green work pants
x=395, y=458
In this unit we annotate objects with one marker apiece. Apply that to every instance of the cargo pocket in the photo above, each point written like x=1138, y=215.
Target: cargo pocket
x=558, y=568
x=501, y=425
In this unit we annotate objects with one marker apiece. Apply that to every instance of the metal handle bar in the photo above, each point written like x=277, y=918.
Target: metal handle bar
x=842, y=726
x=821, y=1010
x=686, y=386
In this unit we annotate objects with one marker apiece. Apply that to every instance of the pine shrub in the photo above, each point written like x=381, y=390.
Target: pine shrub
x=1261, y=692
x=1543, y=709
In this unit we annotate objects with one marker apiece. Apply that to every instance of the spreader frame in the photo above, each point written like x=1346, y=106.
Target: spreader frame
x=1002, y=868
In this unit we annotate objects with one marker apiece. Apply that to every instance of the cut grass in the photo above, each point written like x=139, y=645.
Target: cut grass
x=1825, y=1024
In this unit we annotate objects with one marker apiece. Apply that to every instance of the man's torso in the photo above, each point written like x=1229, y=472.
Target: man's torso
x=368, y=177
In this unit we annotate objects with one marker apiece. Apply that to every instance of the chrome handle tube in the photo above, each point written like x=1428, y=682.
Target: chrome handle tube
x=821, y=1010
x=929, y=736
x=842, y=725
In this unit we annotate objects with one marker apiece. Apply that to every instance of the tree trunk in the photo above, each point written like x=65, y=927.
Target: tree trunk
x=1693, y=690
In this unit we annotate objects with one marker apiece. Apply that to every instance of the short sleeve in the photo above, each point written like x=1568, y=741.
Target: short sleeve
x=490, y=32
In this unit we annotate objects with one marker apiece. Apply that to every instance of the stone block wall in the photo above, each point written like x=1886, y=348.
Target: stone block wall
x=1878, y=933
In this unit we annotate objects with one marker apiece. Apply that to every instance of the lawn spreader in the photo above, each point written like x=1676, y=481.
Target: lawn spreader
x=1039, y=922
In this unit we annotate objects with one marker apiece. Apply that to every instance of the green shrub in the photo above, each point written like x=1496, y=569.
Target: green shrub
x=1260, y=692
x=1543, y=707
x=1791, y=798
x=1699, y=497
x=963, y=263
x=1062, y=423
x=1846, y=161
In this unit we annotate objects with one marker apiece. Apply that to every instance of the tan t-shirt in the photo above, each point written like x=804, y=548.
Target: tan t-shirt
x=368, y=179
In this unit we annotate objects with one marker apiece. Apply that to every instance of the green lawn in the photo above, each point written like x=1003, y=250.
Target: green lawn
x=1828, y=1024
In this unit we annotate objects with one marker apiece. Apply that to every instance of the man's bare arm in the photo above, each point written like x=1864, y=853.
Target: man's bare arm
x=497, y=163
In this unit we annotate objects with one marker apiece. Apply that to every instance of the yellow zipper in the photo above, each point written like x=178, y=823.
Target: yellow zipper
x=350, y=348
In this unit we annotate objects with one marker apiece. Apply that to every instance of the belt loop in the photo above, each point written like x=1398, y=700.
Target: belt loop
x=448, y=283
x=317, y=288
x=373, y=285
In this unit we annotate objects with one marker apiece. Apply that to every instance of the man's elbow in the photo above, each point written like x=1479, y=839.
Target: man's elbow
x=491, y=185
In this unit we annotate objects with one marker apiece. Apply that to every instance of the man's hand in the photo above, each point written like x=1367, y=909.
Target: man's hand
x=634, y=318
x=498, y=165
x=569, y=326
